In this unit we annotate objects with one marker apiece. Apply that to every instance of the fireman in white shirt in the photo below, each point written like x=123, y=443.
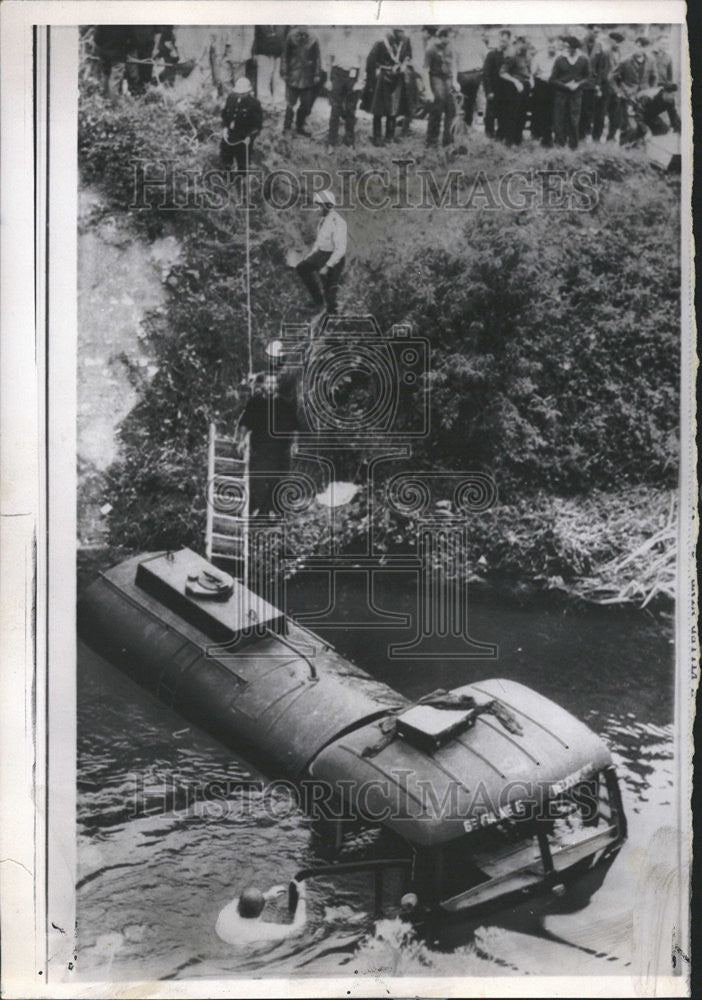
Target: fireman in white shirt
x=326, y=259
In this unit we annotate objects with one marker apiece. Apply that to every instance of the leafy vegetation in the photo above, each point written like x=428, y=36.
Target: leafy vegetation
x=554, y=335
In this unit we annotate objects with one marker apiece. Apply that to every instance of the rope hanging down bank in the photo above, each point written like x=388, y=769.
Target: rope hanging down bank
x=247, y=209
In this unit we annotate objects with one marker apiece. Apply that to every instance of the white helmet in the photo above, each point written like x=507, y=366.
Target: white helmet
x=324, y=198
x=243, y=86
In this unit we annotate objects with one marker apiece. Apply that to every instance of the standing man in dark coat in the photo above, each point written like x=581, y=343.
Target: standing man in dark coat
x=441, y=70
x=569, y=74
x=515, y=75
x=663, y=63
x=613, y=100
x=492, y=85
x=593, y=50
x=111, y=43
x=542, y=95
x=150, y=46
x=271, y=420
x=636, y=73
x=600, y=69
x=144, y=41
x=301, y=68
x=242, y=117
x=267, y=50
x=386, y=84
x=632, y=78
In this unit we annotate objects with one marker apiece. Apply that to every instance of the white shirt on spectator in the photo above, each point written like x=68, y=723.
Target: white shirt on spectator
x=543, y=64
x=348, y=52
x=331, y=236
x=469, y=51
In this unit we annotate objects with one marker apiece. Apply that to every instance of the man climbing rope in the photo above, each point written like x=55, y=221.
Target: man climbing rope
x=327, y=257
x=242, y=117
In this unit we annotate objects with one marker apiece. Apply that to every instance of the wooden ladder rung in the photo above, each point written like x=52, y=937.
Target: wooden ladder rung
x=228, y=554
x=221, y=531
x=226, y=447
x=226, y=533
x=227, y=557
x=235, y=551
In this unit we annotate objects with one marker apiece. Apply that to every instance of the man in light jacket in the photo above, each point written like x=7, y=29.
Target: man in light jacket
x=327, y=257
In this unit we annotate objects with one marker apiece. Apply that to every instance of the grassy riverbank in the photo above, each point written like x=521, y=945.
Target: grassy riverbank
x=553, y=334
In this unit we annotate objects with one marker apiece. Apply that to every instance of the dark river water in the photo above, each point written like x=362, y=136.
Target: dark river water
x=151, y=885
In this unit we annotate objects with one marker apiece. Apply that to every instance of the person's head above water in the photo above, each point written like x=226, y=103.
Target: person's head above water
x=251, y=903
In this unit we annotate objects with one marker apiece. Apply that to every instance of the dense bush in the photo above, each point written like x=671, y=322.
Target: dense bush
x=114, y=137
x=555, y=344
x=554, y=335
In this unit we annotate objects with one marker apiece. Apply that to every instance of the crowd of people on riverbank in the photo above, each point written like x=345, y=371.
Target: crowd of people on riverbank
x=590, y=85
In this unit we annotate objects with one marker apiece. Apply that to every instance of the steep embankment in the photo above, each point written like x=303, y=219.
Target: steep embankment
x=554, y=334
x=120, y=280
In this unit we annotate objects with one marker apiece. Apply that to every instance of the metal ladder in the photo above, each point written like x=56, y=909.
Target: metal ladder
x=227, y=526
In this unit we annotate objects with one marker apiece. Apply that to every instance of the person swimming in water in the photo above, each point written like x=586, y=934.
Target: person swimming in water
x=241, y=922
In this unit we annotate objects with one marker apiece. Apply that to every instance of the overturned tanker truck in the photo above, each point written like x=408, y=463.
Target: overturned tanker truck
x=491, y=790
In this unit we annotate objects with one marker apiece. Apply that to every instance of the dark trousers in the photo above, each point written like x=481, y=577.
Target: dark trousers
x=139, y=68
x=103, y=66
x=342, y=101
x=492, y=116
x=615, y=113
x=469, y=82
x=514, y=113
x=237, y=152
x=412, y=99
x=268, y=464
x=324, y=290
x=587, y=111
x=542, y=112
x=495, y=111
x=599, y=110
x=633, y=125
x=567, y=106
x=390, y=122
x=642, y=115
x=661, y=104
x=443, y=106
x=304, y=98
